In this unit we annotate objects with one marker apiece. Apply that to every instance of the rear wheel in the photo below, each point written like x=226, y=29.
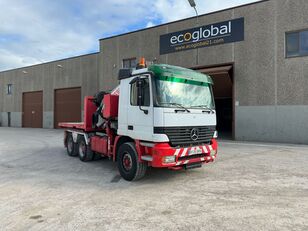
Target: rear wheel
x=84, y=152
x=129, y=166
x=70, y=145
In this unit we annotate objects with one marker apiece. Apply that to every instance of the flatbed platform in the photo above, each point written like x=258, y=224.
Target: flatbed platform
x=76, y=125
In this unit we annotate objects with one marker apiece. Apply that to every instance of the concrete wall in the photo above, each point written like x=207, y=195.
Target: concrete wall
x=284, y=119
x=74, y=72
x=266, y=83
x=286, y=124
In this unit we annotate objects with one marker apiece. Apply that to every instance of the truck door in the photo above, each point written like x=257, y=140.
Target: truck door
x=140, y=116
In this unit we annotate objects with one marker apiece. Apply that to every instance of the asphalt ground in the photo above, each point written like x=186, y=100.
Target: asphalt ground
x=251, y=186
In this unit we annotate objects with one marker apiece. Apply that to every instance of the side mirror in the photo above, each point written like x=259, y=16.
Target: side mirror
x=140, y=85
x=140, y=94
x=140, y=82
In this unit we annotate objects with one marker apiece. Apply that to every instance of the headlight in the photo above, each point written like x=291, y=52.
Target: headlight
x=168, y=159
x=215, y=136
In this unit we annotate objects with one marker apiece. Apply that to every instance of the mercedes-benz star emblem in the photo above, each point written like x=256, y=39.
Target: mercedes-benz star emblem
x=194, y=134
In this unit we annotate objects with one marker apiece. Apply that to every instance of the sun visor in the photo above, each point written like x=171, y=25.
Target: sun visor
x=179, y=74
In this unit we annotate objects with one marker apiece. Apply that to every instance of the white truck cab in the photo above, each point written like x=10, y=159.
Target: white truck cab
x=164, y=103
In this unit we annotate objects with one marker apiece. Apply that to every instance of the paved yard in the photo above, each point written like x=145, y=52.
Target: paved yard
x=249, y=187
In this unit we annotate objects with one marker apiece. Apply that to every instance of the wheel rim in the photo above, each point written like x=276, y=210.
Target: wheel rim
x=70, y=145
x=127, y=162
x=82, y=149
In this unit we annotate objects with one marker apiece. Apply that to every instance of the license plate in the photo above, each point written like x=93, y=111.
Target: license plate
x=194, y=151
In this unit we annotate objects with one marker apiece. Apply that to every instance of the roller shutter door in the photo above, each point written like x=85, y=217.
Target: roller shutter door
x=67, y=105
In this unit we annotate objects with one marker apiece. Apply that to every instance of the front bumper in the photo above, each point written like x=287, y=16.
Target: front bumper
x=183, y=156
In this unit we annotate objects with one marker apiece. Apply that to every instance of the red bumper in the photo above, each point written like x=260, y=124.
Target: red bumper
x=183, y=156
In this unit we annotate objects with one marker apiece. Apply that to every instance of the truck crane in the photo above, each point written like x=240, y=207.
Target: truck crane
x=160, y=116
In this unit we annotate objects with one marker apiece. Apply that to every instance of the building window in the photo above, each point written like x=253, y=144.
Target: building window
x=145, y=101
x=9, y=89
x=297, y=43
x=129, y=63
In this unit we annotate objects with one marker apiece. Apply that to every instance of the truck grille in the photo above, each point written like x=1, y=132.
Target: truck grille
x=183, y=136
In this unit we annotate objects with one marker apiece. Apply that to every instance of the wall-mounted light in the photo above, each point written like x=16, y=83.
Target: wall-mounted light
x=24, y=72
x=59, y=66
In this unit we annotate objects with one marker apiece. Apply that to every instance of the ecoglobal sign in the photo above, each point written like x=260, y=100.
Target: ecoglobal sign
x=209, y=35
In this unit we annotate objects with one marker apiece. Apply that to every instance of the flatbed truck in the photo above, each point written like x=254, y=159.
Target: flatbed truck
x=159, y=116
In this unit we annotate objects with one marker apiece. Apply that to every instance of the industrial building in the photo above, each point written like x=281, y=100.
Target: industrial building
x=257, y=55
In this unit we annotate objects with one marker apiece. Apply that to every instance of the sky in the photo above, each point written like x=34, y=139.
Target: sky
x=37, y=31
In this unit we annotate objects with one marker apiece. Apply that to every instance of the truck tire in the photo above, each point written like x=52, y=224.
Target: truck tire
x=84, y=151
x=70, y=145
x=129, y=166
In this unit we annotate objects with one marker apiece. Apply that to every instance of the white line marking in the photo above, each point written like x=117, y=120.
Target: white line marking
x=184, y=152
x=177, y=152
x=204, y=149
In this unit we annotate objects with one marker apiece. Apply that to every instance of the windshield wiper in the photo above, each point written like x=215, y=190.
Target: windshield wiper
x=176, y=104
x=205, y=107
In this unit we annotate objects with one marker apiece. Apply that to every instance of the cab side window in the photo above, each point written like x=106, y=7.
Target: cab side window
x=145, y=93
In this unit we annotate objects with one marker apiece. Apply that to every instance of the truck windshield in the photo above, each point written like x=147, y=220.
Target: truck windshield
x=177, y=94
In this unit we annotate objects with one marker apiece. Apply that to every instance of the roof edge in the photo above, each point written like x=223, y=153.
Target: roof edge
x=53, y=61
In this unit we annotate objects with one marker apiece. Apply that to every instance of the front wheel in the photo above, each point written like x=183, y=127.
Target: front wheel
x=129, y=166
